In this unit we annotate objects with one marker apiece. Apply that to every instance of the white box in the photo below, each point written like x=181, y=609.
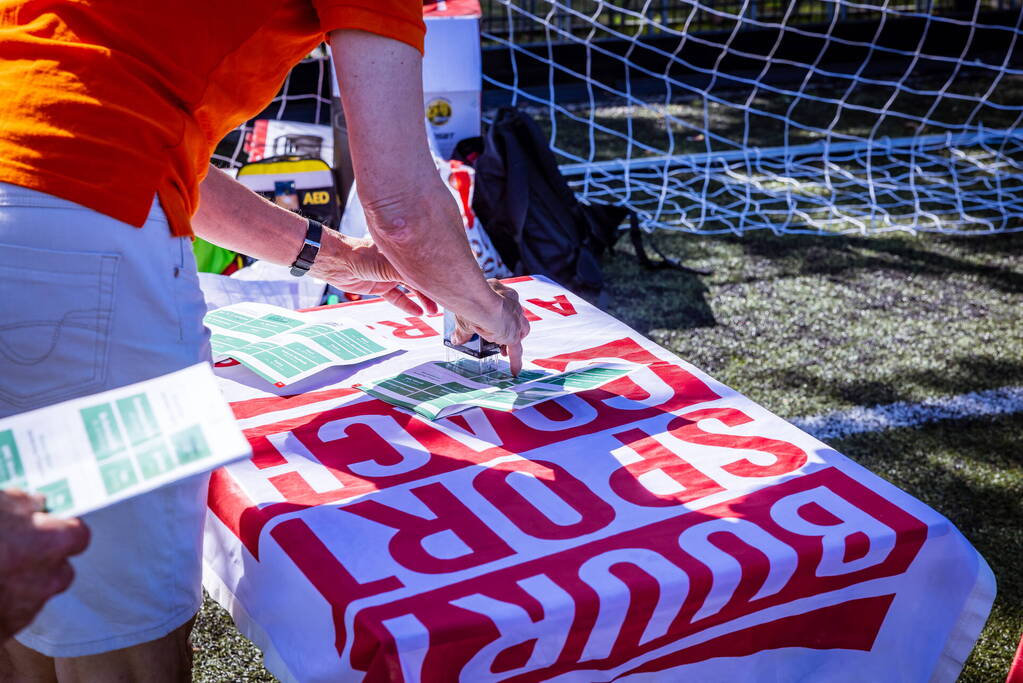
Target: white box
x=452, y=69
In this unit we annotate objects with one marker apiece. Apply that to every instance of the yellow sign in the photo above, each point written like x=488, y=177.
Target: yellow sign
x=318, y=197
x=438, y=111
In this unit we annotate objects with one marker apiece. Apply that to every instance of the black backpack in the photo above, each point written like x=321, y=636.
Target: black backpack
x=533, y=218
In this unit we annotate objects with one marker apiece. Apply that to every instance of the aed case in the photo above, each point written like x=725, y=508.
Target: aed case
x=308, y=177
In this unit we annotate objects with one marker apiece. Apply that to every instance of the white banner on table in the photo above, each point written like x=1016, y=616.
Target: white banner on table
x=90, y=452
x=221, y=290
x=661, y=527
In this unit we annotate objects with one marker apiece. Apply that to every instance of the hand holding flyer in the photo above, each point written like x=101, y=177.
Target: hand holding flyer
x=439, y=389
x=90, y=452
x=282, y=347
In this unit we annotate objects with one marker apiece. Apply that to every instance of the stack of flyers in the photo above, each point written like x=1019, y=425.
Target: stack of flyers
x=283, y=346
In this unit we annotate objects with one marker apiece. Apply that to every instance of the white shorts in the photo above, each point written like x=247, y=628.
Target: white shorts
x=88, y=303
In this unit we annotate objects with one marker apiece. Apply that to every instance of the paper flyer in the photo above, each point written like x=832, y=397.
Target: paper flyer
x=439, y=389
x=282, y=347
x=89, y=452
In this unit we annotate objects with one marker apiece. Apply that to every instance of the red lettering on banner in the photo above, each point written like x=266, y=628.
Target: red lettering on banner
x=340, y=439
x=647, y=587
x=788, y=457
x=450, y=515
x=650, y=581
x=412, y=328
x=293, y=486
x=559, y=304
x=524, y=430
x=264, y=455
x=628, y=481
x=229, y=503
x=815, y=629
x=525, y=512
x=372, y=445
x=361, y=430
x=673, y=387
x=254, y=407
x=328, y=576
x=529, y=315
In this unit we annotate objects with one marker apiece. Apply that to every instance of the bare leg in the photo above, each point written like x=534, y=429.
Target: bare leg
x=164, y=660
x=19, y=664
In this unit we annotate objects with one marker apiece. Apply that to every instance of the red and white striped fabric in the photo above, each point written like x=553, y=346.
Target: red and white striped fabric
x=661, y=528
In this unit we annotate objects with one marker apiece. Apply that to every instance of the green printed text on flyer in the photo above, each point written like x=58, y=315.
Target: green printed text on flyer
x=90, y=452
x=283, y=346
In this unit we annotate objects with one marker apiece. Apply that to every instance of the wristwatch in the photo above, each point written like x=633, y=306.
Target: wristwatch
x=310, y=248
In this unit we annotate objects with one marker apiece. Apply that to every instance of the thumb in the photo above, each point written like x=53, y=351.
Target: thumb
x=463, y=331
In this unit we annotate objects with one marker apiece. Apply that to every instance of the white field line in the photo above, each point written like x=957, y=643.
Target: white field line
x=839, y=424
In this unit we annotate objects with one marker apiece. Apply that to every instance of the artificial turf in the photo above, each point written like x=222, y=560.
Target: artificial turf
x=810, y=325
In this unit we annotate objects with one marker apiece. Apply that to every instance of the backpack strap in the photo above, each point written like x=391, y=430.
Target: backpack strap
x=636, y=237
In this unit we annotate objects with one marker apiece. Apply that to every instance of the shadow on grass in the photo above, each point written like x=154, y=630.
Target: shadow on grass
x=647, y=300
x=971, y=472
x=963, y=374
x=1006, y=243
x=808, y=255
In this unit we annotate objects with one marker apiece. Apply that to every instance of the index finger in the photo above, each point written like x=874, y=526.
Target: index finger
x=429, y=305
x=402, y=301
x=515, y=357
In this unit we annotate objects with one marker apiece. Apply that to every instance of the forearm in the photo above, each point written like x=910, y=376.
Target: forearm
x=232, y=216
x=421, y=233
x=236, y=218
x=413, y=218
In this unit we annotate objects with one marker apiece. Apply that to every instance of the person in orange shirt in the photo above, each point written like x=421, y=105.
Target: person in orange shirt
x=110, y=113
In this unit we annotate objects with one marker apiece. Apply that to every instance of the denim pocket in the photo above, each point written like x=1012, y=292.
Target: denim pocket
x=56, y=310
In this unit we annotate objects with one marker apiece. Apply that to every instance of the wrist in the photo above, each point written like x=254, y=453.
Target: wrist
x=334, y=258
x=310, y=249
x=482, y=306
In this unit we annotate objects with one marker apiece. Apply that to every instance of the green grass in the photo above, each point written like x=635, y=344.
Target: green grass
x=221, y=652
x=812, y=324
x=808, y=325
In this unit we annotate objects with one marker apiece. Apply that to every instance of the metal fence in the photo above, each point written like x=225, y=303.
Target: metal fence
x=515, y=20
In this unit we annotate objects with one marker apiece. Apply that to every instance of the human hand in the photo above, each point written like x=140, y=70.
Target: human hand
x=357, y=266
x=503, y=324
x=34, y=548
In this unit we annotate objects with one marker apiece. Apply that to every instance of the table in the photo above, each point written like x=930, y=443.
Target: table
x=663, y=527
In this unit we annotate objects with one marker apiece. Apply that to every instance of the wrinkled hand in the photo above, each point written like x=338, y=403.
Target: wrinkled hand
x=34, y=548
x=357, y=266
x=505, y=324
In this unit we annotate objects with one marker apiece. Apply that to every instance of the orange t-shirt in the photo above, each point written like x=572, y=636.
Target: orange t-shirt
x=108, y=102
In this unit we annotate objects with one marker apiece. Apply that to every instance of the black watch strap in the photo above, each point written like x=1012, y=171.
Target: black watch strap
x=310, y=248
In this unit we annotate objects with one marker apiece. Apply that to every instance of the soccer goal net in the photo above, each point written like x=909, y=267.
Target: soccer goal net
x=811, y=116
